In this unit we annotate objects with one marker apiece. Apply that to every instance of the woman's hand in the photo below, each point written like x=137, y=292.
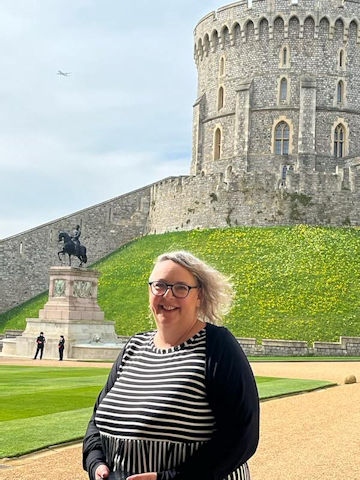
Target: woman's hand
x=102, y=471
x=143, y=476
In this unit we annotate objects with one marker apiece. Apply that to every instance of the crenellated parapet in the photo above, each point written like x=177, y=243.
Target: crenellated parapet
x=258, y=20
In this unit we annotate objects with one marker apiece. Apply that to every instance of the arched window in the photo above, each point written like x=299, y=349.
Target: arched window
x=217, y=144
x=339, y=141
x=228, y=173
x=214, y=40
x=341, y=58
x=340, y=92
x=282, y=135
x=200, y=48
x=283, y=90
x=284, y=56
x=220, y=98
x=225, y=37
x=206, y=44
x=222, y=66
x=237, y=34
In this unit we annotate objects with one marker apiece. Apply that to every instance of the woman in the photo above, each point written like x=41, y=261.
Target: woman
x=180, y=403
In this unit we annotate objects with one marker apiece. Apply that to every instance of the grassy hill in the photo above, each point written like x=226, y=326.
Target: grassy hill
x=298, y=283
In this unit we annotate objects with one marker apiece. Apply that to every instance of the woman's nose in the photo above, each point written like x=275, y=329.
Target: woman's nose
x=169, y=289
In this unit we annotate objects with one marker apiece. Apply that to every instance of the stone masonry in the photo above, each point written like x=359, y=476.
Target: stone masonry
x=25, y=259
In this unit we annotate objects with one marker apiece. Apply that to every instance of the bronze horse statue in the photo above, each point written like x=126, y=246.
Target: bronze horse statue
x=70, y=248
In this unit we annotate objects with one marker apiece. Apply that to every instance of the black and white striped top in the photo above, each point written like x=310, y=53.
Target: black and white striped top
x=157, y=414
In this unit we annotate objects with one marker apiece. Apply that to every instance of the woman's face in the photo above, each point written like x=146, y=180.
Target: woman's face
x=169, y=311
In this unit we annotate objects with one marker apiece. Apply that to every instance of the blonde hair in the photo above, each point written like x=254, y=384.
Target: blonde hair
x=216, y=290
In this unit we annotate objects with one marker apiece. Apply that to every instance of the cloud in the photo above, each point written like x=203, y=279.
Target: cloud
x=120, y=121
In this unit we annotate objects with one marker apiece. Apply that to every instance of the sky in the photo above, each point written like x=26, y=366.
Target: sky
x=119, y=121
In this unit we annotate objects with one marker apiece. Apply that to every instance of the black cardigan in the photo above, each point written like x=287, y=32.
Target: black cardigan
x=234, y=400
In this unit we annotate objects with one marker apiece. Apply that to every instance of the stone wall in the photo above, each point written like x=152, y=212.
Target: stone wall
x=175, y=204
x=346, y=347
x=253, y=199
x=25, y=259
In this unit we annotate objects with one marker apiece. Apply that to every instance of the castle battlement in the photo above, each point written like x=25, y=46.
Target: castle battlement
x=237, y=18
x=237, y=23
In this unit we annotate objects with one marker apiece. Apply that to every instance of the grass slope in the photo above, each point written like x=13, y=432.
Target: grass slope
x=44, y=406
x=292, y=282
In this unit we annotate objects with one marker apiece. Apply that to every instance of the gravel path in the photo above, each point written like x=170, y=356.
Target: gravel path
x=311, y=436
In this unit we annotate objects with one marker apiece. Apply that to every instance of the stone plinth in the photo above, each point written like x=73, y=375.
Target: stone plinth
x=72, y=296
x=71, y=310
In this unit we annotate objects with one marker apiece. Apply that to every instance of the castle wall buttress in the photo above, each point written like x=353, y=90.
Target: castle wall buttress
x=307, y=119
x=242, y=122
x=197, y=135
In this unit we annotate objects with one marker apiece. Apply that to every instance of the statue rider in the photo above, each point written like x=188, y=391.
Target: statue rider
x=75, y=238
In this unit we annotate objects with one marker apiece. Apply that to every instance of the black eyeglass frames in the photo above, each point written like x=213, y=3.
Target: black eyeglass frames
x=179, y=290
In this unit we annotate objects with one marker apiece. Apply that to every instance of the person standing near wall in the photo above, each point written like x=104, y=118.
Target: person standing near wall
x=61, y=347
x=40, y=343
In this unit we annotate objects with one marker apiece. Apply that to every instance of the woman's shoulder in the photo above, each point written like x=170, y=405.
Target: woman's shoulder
x=147, y=334
x=218, y=331
x=220, y=336
x=140, y=338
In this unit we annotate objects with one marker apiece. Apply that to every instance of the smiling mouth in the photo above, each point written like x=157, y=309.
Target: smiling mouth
x=168, y=308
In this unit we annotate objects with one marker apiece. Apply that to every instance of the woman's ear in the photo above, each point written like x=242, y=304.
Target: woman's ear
x=199, y=297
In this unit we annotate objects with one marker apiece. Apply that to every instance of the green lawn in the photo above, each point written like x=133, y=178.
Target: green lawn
x=43, y=406
x=270, y=387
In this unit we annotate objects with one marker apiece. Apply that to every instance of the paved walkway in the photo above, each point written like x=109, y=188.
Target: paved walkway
x=313, y=436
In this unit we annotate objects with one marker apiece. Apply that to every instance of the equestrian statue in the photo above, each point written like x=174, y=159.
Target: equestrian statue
x=72, y=246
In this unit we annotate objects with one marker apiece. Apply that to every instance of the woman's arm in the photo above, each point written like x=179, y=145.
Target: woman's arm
x=93, y=454
x=234, y=400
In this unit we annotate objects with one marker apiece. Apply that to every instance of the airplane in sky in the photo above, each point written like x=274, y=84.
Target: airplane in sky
x=64, y=74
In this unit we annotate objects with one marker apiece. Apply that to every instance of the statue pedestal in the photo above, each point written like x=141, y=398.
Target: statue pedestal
x=72, y=310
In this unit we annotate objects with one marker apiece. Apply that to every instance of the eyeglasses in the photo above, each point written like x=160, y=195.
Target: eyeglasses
x=179, y=290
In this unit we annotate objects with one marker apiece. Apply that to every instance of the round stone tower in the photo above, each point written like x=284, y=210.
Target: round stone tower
x=278, y=89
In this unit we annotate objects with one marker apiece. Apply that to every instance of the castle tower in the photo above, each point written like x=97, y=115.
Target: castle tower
x=278, y=88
